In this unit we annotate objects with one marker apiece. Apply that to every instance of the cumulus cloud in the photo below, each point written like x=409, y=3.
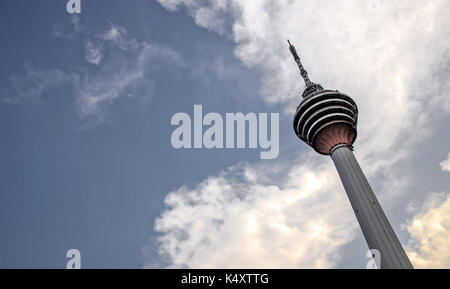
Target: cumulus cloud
x=430, y=232
x=391, y=56
x=246, y=218
x=334, y=39
x=445, y=165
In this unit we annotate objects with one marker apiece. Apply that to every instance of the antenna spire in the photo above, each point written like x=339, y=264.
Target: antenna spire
x=303, y=71
x=310, y=86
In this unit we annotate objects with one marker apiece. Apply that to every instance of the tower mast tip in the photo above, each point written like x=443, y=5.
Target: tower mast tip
x=310, y=86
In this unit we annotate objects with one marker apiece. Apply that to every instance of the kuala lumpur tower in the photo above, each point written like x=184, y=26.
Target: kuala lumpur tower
x=326, y=120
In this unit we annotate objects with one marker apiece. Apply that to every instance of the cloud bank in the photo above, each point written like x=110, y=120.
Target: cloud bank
x=430, y=232
x=391, y=56
x=445, y=165
x=243, y=218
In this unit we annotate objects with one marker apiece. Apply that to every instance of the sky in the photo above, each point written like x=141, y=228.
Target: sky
x=87, y=163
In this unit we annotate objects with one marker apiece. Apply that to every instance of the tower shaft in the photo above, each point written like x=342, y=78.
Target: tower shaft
x=375, y=226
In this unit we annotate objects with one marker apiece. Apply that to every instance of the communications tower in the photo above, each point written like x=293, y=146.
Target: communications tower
x=326, y=120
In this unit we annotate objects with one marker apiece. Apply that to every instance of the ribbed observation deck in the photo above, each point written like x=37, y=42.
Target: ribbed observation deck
x=326, y=118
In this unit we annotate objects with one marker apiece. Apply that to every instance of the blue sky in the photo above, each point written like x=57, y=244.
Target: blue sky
x=86, y=158
x=98, y=187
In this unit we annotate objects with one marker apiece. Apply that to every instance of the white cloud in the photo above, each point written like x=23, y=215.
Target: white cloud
x=93, y=52
x=76, y=23
x=68, y=30
x=114, y=33
x=334, y=39
x=445, y=165
x=34, y=83
x=122, y=64
x=392, y=58
x=430, y=232
x=119, y=36
x=129, y=62
x=248, y=218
